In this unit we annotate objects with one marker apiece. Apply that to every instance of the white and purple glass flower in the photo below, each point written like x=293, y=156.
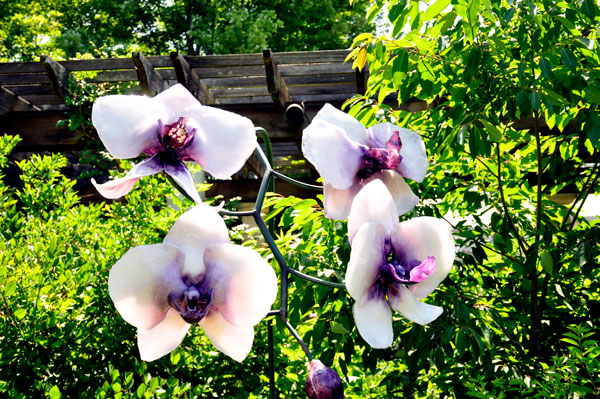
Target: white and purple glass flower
x=348, y=156
x=393, y=264
x=196, y=276
x=171, y=128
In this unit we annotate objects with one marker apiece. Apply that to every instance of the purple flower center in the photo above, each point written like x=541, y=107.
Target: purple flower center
x=396, y=270
x=193, y=303
x=375, y=159
x=173, y=140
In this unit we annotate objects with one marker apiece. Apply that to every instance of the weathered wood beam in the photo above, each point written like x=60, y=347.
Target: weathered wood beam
x=361, y=80
x=275, y=83
x=58, y=75
x=9, y=101
x=189, y=78
x=150, y=81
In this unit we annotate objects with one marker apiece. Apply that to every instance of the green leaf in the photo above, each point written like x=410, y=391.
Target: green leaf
x=546, y=68
x=141, y=390
x=534, y=98
x=10, y=288
x=592, y=94
x=20, y=313
x=435, y=9
x=338, y=328
x=474, y=12
x=547, y=262
x=568, y=58
x=494, y=133
x=54, y=393
x=593, y=131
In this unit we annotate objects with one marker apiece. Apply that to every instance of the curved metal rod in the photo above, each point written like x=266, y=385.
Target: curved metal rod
x=297, y=182
x=315, y=279
x=299, y=339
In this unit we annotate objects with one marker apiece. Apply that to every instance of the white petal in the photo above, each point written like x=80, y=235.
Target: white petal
x=245, y=285
x=336, y=202
x=127, y=125
x=182, y=176
x=365, y=258
x=140, y=282
x=175, y=100
x=333, y=154
x=163, y=338
x=232, y=341
x=373, y=203
x=373, y=319
x=414, y=161
x=223, y=141
x=421, y=237
x=195, y=230
x=119, y=187
x=353, y=128
x=413, y=309
x=401, y=192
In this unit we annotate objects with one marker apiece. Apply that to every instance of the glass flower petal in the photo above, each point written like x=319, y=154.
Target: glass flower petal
x=413, y=309
x=127, y=124
x=372, y=204
x=245, y=284
x=354, y=129
x=223, y=142
x=365, y=259
x=182, y=176
x=336, y=158
x=119, y=187
x=140, y=282
x=233, y=341
x=193, y=232
x=421, y=237
x=163, y=338
x=414, y=156
x=373, y=319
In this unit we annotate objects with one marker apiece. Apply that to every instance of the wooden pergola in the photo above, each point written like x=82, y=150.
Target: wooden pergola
x=260, y=86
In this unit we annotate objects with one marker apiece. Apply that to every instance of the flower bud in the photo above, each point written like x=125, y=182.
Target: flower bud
x=323, y=382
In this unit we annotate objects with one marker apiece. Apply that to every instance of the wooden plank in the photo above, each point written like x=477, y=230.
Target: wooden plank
x=323, y=98
x=204, y=73
x=21, y=67
x=349, y=77
x=241, y=92
x=99, y=64
x=30, y=89
x=24, y=79
x=308, y=57
x=150, y=81
x=251, y=100
x=212, y=61
x=58, y=75
x=10, y=101
x=43, y=99
x=322, y=89
x=39, y=132
x=245, y=81
x=312, y=69
x=188, y=77
x=275, y=83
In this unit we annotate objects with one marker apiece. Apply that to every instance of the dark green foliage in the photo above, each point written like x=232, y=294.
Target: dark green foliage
x=510, y=126
x=65, y=29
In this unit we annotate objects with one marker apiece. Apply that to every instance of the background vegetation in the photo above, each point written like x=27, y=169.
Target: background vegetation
x=67, y=29
x=513, y=94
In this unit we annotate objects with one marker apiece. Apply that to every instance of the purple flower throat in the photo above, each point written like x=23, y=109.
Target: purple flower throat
x=193, y=302
x=395, y=270
x=376, y=159
x=173, y=141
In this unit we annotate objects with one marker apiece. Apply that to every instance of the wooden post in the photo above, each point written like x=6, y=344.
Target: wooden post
x=275, y=83
x=189, y=78
x=58, y=74
x=150, y=81
x=361, y=80
x=9, y=101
